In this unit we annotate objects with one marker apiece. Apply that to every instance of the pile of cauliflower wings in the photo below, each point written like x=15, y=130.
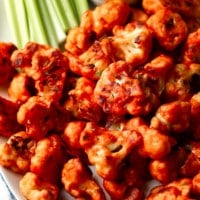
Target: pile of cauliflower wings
x=122, y=99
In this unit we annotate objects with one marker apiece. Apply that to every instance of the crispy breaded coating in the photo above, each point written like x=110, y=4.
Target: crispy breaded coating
x=132, y=43
x=34, y=114
x=131, y=179
x=93, y=61
x=168, y=28
x=78, y=181
x=116, y=91
x=172, y=117
x=167, y=169
x=182, y=83
x=47, y=66
x=179, y=190
x=48, y=159
x=39, y=116
x=33, y=187
x=8, y=118
x=81, y=103
x=71, y=136
x=119, y=190
x=79, y=39
x=16, y=152
x=156, y=144
x=104, y=17
x=191, y=48
x=6, y=69
x=20, y=89
x=187, y=8
x=106, y=149
x=191, y=164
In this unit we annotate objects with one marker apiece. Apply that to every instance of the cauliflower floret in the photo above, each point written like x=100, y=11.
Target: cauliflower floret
x=183, y=82
x=173, y=117
x=131, y=179
x=167, y=169
x=156, y=144
x=46, y=66
x=8, y=118
x=191, y=165
x=179, y=190
x=105, y=16
x=106, y=149
x=20, y=89
x=168, y=28
x=39, y=117
x=187, y=8
x=79, y=40
x=6, y=69
x=116, y=90
x=17, y=151
x=71, y=137
x=50, y=155
x=191, y=48
x=92, y=62
x=78, y=181
x=132, y=43
x=118, y=191
x=81, y=101
x=34, y=187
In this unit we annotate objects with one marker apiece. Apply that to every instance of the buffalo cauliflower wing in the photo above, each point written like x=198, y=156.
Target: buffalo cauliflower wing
x=116, y=91
x=190, y=51
x=104, y=17
x=78, y=181
x=81, y=103
x=17, y=151
x=186, y=8
x=93, y=61
x=20, y=89
x=132, y=43
x=168, y=28
x=39, y=117
x=48, y=159
x=179, y=189
x=172, y=117
x=155, y=144
x=183, y=82
x=33, y=187
x=47, y=66
x=106, y=149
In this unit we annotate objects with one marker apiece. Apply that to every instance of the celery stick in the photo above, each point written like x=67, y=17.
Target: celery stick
x=75, y=11
x=57, y=7
x=48, y=24
x=36, y=26
x=81, y=6
x=58, y=24
x=70, y=12
x=17, y=19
